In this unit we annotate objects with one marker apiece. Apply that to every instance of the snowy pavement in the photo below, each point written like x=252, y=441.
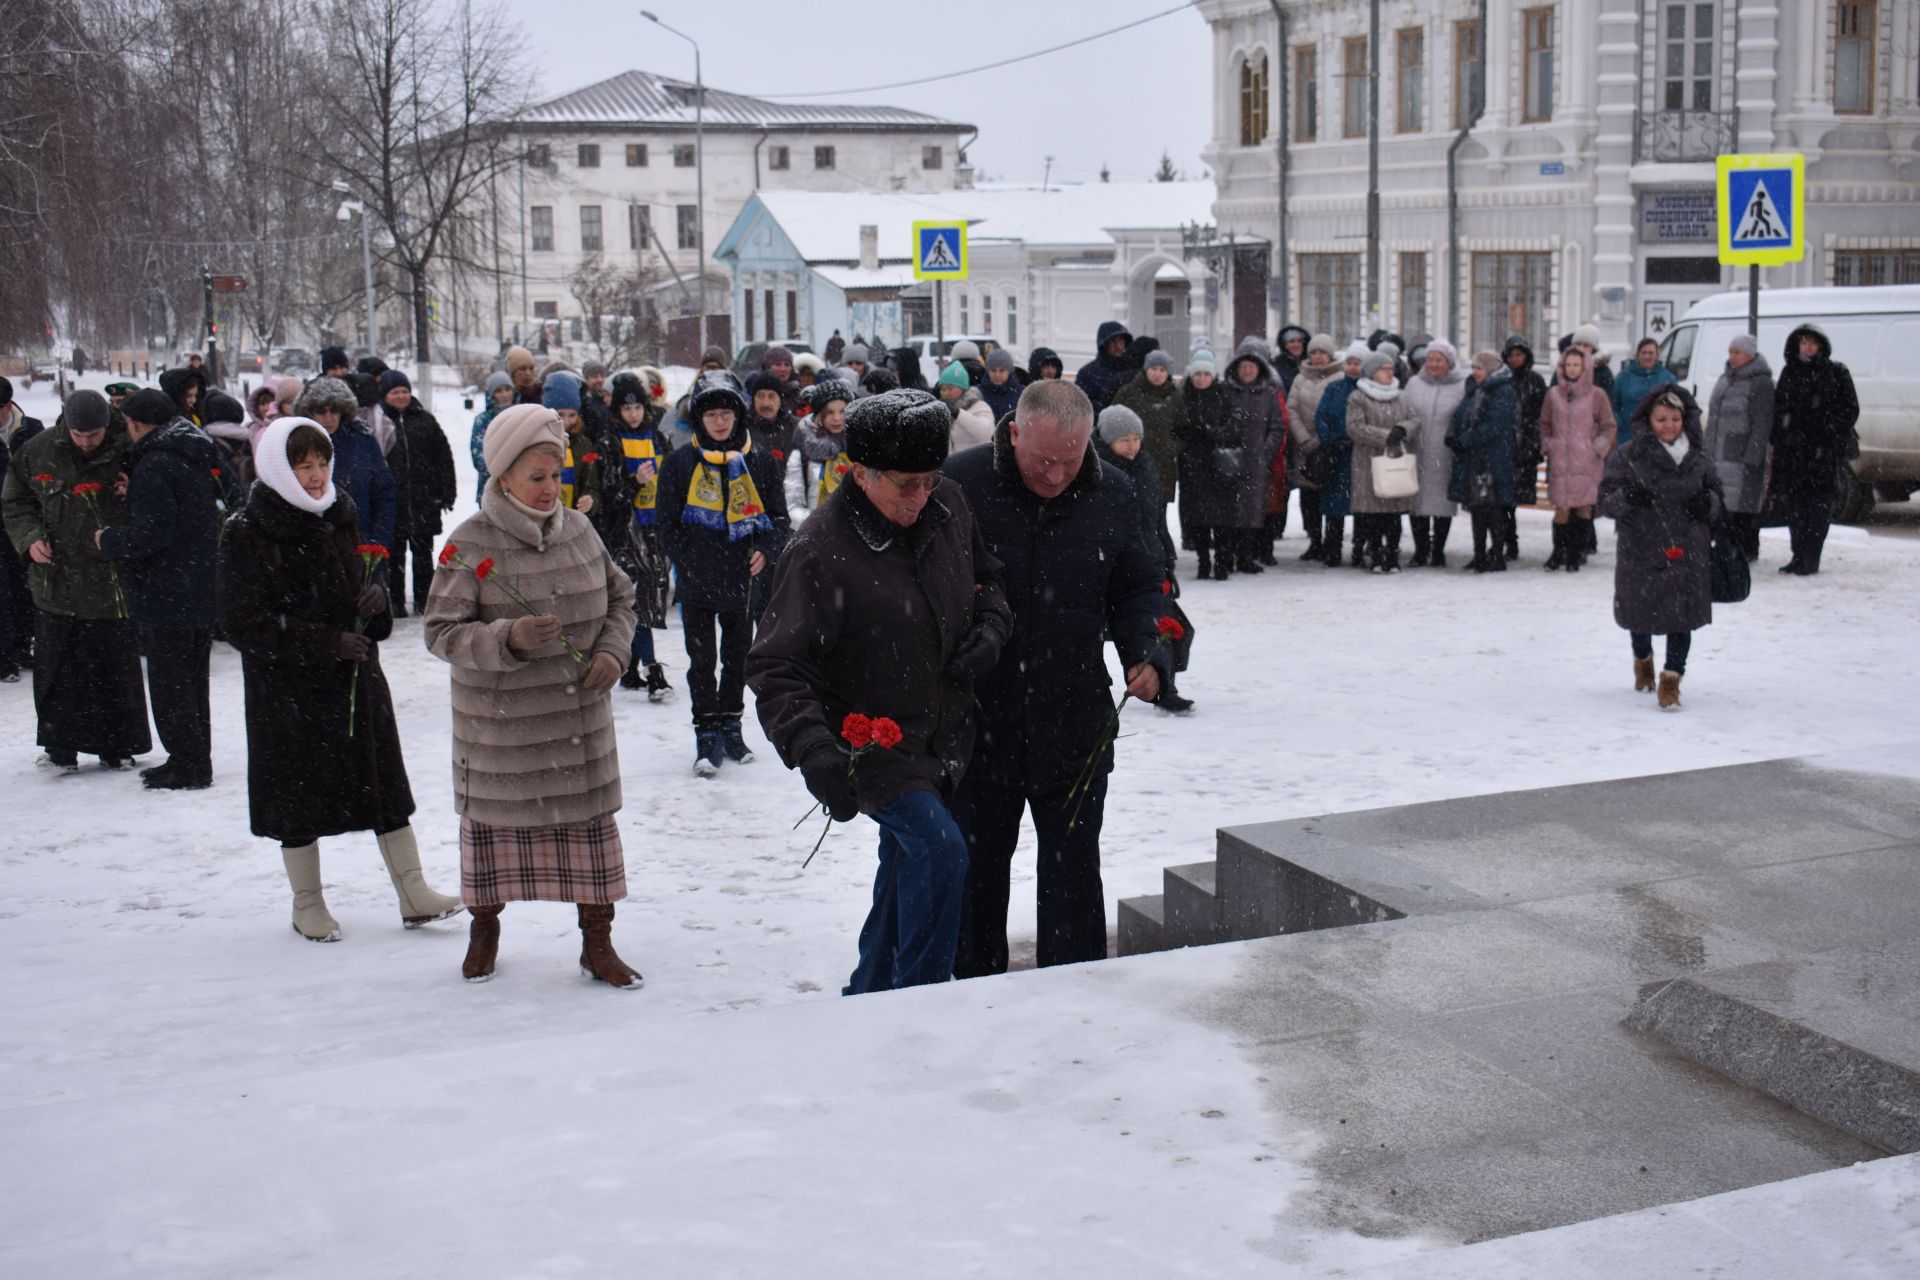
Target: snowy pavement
x=193, y=1090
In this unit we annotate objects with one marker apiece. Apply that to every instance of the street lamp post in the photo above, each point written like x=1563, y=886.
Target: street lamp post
x=366, y=259
x=699, y=165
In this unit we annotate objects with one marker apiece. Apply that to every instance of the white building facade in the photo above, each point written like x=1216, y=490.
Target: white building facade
x=1584, y=189
x=610, y=178
x=1046, y=266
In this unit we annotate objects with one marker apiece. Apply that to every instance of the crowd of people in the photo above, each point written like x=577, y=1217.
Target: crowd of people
x=853, y=544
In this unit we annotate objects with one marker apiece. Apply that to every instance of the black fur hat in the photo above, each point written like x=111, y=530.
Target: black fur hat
x=902, y=430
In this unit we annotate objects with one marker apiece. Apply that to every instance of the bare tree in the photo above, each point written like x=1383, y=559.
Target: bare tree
x=618, y=325
x=413, y=86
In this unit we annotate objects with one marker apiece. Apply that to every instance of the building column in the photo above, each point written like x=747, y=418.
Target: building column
x=1757, y=37
x=1617, y=57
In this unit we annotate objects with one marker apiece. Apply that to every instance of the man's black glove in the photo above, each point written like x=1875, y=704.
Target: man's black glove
x=1699, y=506
x=1396, y=437
x=825, y=773
x=1638, y=495
x=979, y=650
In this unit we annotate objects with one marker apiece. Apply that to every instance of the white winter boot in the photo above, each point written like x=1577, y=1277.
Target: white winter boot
x=311, y=919
x=419, y=904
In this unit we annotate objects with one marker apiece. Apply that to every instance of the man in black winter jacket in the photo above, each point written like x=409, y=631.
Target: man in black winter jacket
x=1112, y=366
x=421, y=461
x=1530, y=394
x=166, y=552
x=1067, y=530
x=1815, y=412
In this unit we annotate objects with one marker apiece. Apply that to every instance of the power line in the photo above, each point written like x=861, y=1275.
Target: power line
x=1004, y=62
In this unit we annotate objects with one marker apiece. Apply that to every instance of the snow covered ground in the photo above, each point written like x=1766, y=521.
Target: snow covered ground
x=193, y=1090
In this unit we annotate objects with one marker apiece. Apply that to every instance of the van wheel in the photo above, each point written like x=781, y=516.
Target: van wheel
x=1852, y=497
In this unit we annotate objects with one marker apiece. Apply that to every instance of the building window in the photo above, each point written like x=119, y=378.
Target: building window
x=591, y=238
x=823, y=157
x=1413, y=292
x=546, y=311
x=1880, y=266
x=683, y=156
x=779, y=158
x=1853, y=23
x=573, y=329
x=1536, y=91
x=1511, y=294
x=963, y=313
x=1253, y=100
x=1468, y=95
x=1330, y=292
x=539, y=156
x=746, y=313
x=793, y=314
x=541, y=218
x=1353, y=87
x=588, y=155
x=636, y=155
x=638, y=230
x=769, y=316
x=1306, y=89
x=986, y=313
x=687, y=226
x=1687, y=67
x=1410, y=81
x=929, y=157
x=1013, y=318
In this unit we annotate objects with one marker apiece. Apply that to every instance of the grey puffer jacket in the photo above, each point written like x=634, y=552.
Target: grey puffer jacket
x=1739, y=429
x=1369, y=421
x=1433, y=401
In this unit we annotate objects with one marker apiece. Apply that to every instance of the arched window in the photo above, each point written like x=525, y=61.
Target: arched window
x=1253, y=100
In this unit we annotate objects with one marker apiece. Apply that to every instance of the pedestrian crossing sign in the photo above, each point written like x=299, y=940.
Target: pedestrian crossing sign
x=940, y=251
x=1762, y=209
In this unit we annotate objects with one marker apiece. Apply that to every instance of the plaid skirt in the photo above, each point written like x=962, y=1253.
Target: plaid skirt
x=577, y=862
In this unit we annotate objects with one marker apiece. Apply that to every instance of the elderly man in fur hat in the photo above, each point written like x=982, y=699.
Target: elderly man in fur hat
x=887, y=603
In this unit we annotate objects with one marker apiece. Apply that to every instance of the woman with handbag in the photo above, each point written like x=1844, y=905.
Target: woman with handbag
x=1577, y=432
x=1664, y=495
x=1482, y=441
x=1386, y=476
x=1209, y=468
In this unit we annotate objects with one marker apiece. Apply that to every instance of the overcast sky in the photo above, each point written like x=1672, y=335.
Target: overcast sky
x=1120, y=100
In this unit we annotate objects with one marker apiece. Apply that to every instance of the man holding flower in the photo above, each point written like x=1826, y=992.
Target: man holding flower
x=1077, y=571
x=886, y=611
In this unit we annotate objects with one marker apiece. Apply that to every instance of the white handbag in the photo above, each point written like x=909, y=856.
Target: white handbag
x=1396, y=477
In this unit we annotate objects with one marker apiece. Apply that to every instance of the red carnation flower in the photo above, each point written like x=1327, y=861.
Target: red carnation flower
x=588, y=459
x=1166, y=588
x=216, y=473
x=86, y=490
x=857, y=729
x=779, y=455
x=1676, y=553
x=886, y=733
x=752, y=509
x=447, y=553
x=45, y=477
x=484, y=569
x=1170, y=628
x=371, y=550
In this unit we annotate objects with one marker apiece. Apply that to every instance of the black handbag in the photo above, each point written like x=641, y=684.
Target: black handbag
x=1480, y=491
x=1732, y=576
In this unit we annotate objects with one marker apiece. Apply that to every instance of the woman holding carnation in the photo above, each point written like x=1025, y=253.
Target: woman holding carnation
x=536, y=621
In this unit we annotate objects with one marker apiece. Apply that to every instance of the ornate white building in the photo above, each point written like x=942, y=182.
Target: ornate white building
x=1585, y=188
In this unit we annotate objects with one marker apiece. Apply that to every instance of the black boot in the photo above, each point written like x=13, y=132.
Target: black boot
x=1206, y=565
x=1422, y=543
x=1558, y=560
x=1246, y=558
x=732, y=743
x=1331, y=540
x=1479, y=562
x=1442, y=526
x=658, y=689
x=1576, y=545
x=1510, y=533
x=631, y=680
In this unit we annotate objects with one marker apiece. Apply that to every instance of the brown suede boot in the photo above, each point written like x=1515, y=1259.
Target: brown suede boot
x=1669, y=695
x=483, y=944
x=1643, y=675
x=597, y=957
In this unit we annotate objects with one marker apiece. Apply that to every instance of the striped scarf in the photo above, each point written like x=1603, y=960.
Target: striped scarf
x=832, y=475
x=723, y=497
x=639, y=449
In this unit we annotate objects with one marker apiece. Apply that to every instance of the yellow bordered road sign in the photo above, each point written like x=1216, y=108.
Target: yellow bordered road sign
x=940, y=251
x=1762, y=209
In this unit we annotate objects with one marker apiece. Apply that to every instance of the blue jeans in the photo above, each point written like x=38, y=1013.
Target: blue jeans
x=643, y=645
x=1679, y=645
x=914, y=926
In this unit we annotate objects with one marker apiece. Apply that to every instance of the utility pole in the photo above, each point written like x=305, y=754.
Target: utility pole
x=1374, y=310
x=213, y=337
x=699, y=168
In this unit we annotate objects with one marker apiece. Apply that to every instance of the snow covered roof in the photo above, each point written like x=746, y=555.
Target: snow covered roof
x=642, y=98
x=825, y=226
x=884, y=277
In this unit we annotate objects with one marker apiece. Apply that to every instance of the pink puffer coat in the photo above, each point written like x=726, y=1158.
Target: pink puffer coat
x=1577, y=432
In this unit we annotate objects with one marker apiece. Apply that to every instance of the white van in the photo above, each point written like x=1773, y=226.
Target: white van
x=1875, y=332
